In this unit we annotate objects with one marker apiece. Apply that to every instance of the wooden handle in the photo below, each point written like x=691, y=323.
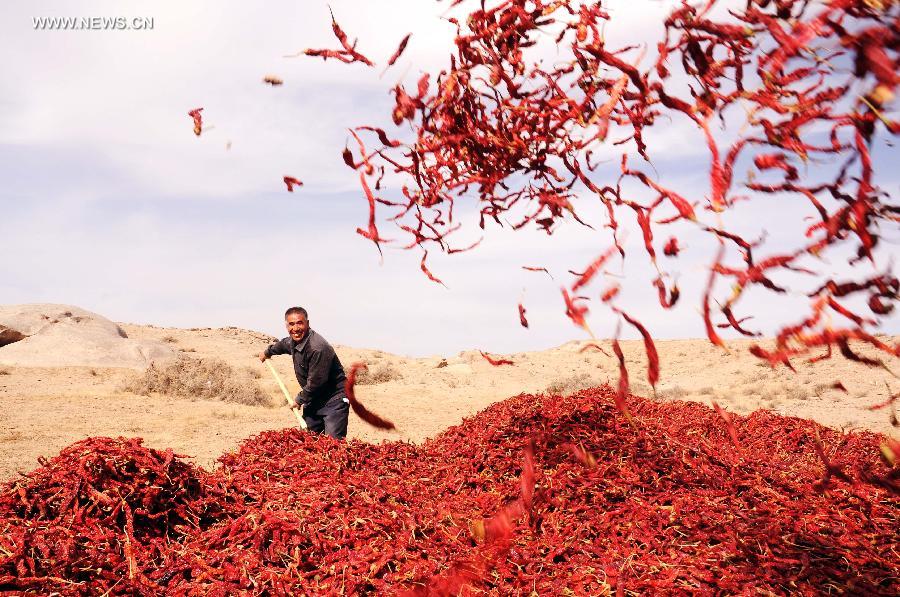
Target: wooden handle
x=287, y=396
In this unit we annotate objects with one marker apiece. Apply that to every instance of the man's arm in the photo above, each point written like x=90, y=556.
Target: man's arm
x=317, y=374
x=280, y=347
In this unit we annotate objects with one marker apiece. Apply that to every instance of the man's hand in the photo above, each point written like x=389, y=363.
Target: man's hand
x=263, y=356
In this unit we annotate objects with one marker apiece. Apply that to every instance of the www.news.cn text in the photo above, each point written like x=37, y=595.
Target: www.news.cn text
x=92, y=23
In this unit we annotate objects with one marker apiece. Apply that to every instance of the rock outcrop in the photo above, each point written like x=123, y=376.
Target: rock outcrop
x=48, y=335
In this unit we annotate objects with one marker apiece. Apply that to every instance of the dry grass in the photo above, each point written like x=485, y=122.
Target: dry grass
x=376, y=374
x=566, y=386
x=227, y=414
x=4, y=371
x=673, y=393
x=200, y=378
x=796, y=393
x=639, y=388
x=170, y=339
x=821, y=388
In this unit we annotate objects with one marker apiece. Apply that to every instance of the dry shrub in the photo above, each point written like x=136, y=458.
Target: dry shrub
x=796, y=393
x=376, y=374
x=4, y=371
x=566, y=386
x=673, y=393
x=200, y=378
x=639, y=388
x=170, y=339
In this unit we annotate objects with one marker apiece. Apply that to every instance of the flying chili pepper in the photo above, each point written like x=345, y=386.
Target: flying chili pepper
x=290, y=182
x=610, y=293
x=361, y=411
x=575, y=312
x=671, y=248
x=729, y=424
x=649, y=347
x=594, y=346
x=348, y=54
x=198, y=120
x=427, y=272
x=537, y=269
x=398, y=51
x=583, y=456
x=592, y=269
x=622, y=388
x=495, y=362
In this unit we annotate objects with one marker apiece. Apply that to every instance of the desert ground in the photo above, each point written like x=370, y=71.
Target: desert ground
x=45, y=408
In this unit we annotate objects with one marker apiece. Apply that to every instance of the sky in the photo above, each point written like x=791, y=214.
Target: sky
x=109, y=201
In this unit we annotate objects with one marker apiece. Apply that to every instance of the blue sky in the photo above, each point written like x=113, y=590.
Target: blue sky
x=109, y=202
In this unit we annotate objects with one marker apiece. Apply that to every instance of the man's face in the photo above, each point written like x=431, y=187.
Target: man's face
x=297, y=326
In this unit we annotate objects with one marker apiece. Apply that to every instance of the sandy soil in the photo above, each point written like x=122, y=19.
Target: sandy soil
x=44, y=409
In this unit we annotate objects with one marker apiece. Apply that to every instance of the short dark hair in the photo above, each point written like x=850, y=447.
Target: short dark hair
x=296, y=311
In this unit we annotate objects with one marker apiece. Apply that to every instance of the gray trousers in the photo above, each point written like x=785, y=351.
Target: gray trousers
x=328, y=417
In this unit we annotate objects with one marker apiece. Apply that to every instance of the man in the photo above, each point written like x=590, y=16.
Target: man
x=319, y=372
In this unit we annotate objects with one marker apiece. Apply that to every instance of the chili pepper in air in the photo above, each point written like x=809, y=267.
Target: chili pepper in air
x=198, y=120
x=361, y=411
x=495, y=362
x=290, y=182
x=399, y=51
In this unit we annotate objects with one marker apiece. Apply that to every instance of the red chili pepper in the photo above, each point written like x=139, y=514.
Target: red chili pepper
x=707, y=321
x=291, y=182
x=671, y=248
x=198, y=120
x=623, y=387
x=537, y=269
x=382, y=136
x=610, y=294
x=586, y=276
x=361, y=411
x=399, y=51
x=372, y=232
x=594, y=346
x=890, y=400
x=667, y=300
x=495, y=362
x=877, y=306
x=575, y=312
x=347, y=54
x=649, y=347
x=729, y=424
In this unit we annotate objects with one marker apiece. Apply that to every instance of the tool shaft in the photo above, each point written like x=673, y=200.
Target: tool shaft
x=287, y=395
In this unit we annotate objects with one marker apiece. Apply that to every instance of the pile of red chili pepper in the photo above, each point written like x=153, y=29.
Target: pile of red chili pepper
x=793, y=92
x=548, y=494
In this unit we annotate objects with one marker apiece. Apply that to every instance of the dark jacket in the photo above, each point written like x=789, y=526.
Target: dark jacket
x=317, y=367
